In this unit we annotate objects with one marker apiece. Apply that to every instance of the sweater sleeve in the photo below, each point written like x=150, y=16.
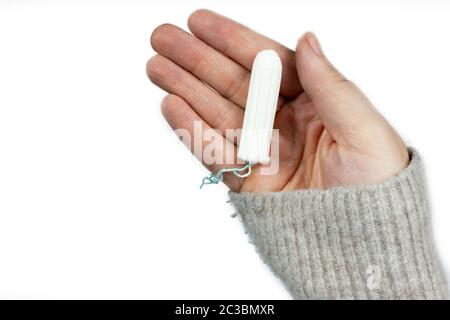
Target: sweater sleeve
x=371, y=242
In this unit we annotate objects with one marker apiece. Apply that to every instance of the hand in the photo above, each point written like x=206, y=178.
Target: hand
x=330, y=134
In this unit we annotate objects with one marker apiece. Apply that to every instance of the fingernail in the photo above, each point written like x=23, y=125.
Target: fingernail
x=314, y=43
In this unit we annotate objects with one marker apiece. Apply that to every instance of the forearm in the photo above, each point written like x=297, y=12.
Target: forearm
x=349, y=243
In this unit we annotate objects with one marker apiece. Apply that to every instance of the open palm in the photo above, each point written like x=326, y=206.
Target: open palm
x=330, y=134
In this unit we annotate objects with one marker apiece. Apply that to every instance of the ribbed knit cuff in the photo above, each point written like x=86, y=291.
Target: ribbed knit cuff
x=371, y=242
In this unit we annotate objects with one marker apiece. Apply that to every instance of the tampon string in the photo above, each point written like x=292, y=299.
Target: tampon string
x=216, y=178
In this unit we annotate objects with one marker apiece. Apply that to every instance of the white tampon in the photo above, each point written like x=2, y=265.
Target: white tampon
x=261, y=107
x=259, y=115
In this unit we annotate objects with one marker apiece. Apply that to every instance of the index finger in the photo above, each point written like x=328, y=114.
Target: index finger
x=242, y=44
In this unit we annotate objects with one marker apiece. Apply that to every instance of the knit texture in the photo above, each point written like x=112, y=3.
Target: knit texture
x=371, y=242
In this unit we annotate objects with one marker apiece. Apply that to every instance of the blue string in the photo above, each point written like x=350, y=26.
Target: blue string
x=216, y=178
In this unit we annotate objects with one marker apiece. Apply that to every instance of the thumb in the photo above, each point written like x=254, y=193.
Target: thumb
x=345, y=111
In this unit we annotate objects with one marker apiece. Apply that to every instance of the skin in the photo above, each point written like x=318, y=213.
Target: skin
x=330, y=133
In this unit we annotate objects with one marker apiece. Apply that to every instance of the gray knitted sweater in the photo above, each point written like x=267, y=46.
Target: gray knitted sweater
x=371, y=242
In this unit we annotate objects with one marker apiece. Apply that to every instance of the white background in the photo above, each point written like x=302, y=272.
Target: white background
x=98, y=199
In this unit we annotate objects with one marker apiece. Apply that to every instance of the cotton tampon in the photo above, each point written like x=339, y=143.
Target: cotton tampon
x=261, y=107
x=259, y=116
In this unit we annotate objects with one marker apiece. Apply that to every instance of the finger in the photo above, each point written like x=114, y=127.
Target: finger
x=242, y=44
x=217, y=111
x=199, y=138
x=345, y=111
x=221, y=73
